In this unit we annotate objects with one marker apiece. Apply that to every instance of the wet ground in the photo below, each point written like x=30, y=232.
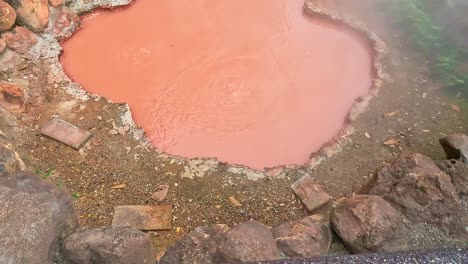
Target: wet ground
x=418, y=113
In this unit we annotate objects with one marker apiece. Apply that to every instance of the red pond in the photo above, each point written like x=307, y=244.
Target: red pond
x=257, y=83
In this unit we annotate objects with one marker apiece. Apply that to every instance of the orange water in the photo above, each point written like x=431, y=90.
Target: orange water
x=252, y=82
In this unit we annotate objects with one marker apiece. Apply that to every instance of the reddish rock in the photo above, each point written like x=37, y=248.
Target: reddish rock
x=198, y=247
x=20, y=39
x=307, y=237
x=7, y=16
x=12, y=97
x=65, y=23
x=66, y=133
x=248, y=242
x=369, y=224
x=421, y=191
x=10, y=60
x=458, y=171
x=108, y=245
x=456, y=147
x=33, y=13
x=143, y=217
x=311, y=194
x=56, y=3
x=2, y=45
x=160, y=193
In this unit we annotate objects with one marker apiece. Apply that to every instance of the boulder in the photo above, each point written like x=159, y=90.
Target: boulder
x=12, y=97
x=7, y=16
x=20, y=39
x=108, y=245
x=248, y=242
x=10, y=60
x=458, y=171
x=34, y=218
x=415, y=186
x=456, y=147
x=198, y=247
x=32, y=13
x=306, y=237
x=369, y=224
x=311, y=194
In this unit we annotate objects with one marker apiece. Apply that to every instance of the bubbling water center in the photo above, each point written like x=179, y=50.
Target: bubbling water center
x=257, y=83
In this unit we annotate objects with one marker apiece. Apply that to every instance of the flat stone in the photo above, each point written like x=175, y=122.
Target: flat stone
x=160, y=193
x=143, y=217
x=311, y=194
x=456, y=147
x=20, y=39
x=66, y=133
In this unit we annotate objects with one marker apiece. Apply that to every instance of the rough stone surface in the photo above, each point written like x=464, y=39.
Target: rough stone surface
x=12, y=97
x=32, y=13
x=56, y=3
x=198, y=247
x=143, y=217
x=9, y=160
x=66, y=133
x=2, y=45
x=369, y=224
x=421, y=191
x=249, y=241
x=65, y=22
x=456, y=147
x=10, y=60
x=310, y=193
x=458, y=171
x=20, y=39
x=108, y=245
x=160, y=193
x=35, y=216
x=7, y=16
x=307, y=237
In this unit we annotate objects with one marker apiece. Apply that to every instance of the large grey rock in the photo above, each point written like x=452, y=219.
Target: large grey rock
x=34, y=218
x=307, y=237
x=458, y=171
x=456, y=147
x=198, y=247
x=108, y=245
x=415, y=186
x=247, y=242
x=369, y=224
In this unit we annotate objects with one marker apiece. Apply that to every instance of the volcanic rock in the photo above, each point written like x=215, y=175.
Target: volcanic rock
x=311, y=194
x=32, y=13
x=12, y=97
x=7, y=16
x=20, y=39
x=458, y=171
x=456, y=147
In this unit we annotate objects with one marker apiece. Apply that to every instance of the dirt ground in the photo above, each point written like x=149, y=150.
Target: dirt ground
x=423, y=114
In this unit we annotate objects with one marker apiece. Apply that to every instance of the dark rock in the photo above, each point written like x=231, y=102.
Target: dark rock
x=34, y=218
x=307, y=237
x=198, y=247
x=458, y=171
x=369, y=224
x=421, y=191
x=249, y=241
x=112, y=245
x=456, y=147
x=311, y=194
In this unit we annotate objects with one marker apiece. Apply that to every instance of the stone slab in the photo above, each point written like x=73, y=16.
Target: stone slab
x=143, y=217
x=66, y=133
